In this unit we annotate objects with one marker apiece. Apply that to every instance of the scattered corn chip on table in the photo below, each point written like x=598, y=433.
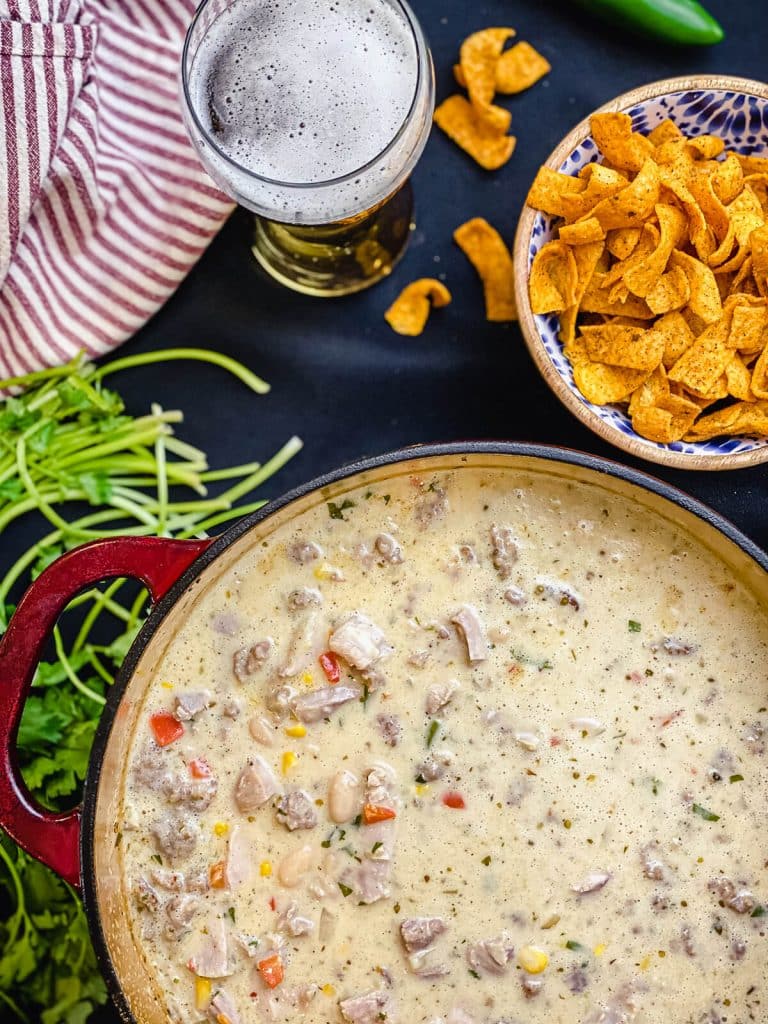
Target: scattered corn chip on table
x=341, y=378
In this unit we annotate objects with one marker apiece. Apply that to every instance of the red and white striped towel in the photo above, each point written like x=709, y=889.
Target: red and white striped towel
x=104, y=206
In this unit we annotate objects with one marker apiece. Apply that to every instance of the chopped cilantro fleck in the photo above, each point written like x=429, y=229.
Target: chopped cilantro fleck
x=526, y=659
x=156, y=858
x=358, y=820
x=575, y=946
x=736, y=778
x=337, y=511
x=434, y=727
x=474, y=974
x=376, y=846
x=231, y=914
x=759, y=911
x=345, y=889
x=704, y=813
x=326, y=843
x=486, y=861
x=366, y=695
x=634, y=627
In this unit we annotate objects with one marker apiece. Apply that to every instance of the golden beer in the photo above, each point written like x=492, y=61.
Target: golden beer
x=312, y=114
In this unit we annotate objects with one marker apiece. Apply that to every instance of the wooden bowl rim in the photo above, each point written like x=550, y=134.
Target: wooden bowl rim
x=631, y=443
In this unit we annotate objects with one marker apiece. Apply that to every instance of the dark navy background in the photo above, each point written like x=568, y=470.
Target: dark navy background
x=340, y=377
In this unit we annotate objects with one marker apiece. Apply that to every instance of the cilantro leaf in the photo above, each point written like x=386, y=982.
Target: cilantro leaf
x=119, y=647
x=97, y=487
x=46, y=957
x=11, y=489
x=17, y=417
x=6, y=611
x=704, y=813
x=337, y=511
x=40, y=441
x=45, y=556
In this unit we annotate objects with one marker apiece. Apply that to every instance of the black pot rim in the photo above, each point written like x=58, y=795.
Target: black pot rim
x=551, y=453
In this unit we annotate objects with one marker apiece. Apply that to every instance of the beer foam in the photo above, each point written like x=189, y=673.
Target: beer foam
x=305, y=91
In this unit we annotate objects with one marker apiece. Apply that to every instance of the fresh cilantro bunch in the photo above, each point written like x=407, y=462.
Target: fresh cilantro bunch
x=68, y=445
x=48, y=968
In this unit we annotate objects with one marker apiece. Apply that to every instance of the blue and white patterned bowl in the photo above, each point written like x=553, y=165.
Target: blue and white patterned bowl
x=736, y=109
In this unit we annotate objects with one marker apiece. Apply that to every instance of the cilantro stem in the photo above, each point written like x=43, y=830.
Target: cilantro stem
x=109, y=447
x=71, y=674
x=30, y=556
x=176, y=475
x=200, y=529
x=162, y=480
x=134, y=509
x=186, y=451
x=21, y=907
x=253, y=480
x=98, y=595
x=14, y=511
x=14, y=1008
x=66, y=439
x=100, y=601
x=28, y=379
x=147, y=503
x=136, y=609
x=84, y=930
x=93, y=658
x=53, y=517
x=204, y=355
x=228, y=474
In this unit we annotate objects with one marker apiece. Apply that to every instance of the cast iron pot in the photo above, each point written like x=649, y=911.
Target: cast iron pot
x=82, y=845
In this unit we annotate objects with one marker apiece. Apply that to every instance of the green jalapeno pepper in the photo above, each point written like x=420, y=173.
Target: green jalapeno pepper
x=677, y=21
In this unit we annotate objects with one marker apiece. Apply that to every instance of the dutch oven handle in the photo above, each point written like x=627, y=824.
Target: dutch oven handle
x=157, y=563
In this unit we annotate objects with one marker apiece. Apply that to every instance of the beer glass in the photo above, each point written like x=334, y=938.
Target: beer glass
x=312, y=114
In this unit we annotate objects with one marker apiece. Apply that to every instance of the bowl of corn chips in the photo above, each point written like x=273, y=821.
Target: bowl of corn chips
x=641, y=264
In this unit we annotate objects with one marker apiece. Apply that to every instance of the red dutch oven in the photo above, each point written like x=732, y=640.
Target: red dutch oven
x=81, y=845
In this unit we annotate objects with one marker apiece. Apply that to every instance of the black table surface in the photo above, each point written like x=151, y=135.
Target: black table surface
x=347, y=384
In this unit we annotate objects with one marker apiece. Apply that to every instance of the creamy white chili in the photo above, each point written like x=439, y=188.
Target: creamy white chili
x=472, y=748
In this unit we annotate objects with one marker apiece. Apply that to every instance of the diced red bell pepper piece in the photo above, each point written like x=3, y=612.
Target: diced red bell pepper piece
x=373, y=813
x=199, y=768
x=329, y=663
x=166, y=728
x=454, y=800
x=271, y=970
